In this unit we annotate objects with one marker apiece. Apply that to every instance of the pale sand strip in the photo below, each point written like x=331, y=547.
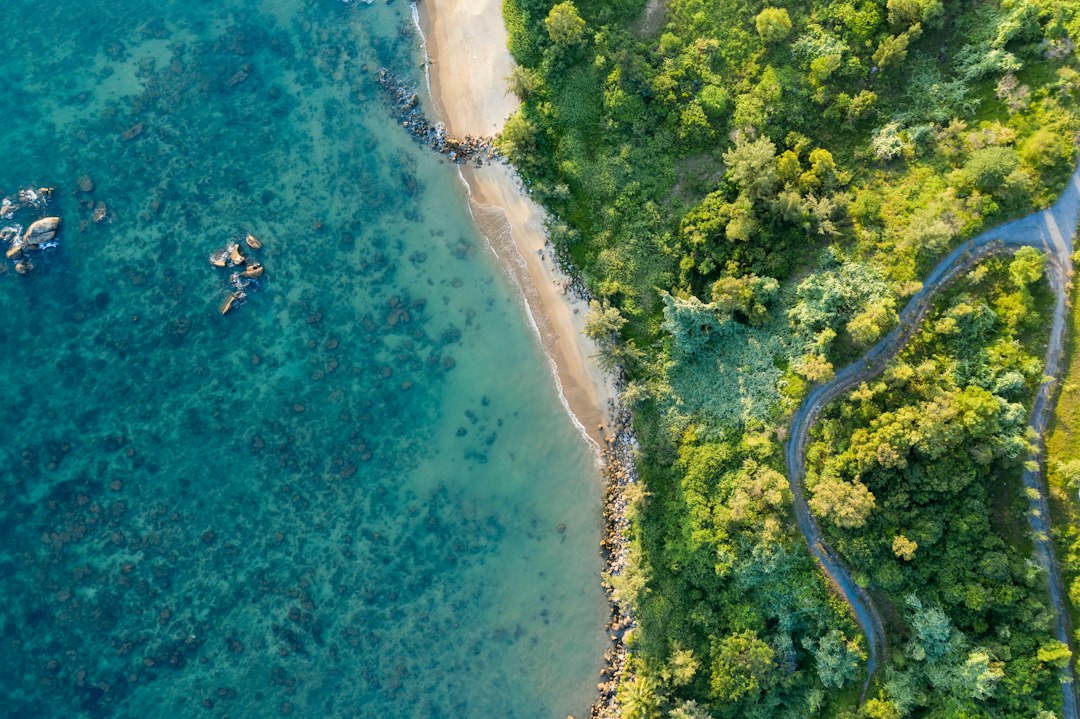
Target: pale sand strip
x=469, y=63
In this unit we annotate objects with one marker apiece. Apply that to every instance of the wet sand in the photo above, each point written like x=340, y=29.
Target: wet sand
x=469, y=64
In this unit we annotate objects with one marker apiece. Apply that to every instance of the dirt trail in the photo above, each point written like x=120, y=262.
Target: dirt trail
x=1051, y=230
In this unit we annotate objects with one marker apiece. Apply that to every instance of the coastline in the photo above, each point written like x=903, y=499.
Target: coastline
x=468, y=63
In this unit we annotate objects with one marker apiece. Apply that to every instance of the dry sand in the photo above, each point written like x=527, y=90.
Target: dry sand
x=469, y=64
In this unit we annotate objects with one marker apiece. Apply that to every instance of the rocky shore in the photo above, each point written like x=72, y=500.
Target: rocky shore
x=405, y=103
x=468, y=62
x=617, y=455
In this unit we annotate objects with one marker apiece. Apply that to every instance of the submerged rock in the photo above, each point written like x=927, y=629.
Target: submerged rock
x=86, y=183
x=101, y=213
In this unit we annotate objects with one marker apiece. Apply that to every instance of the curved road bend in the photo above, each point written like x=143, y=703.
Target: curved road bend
x=1051, y=230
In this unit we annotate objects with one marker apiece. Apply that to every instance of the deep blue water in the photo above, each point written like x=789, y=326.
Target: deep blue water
x=355, y=496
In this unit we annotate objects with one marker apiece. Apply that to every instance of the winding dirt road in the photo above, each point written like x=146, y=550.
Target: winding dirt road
x=1051, y=230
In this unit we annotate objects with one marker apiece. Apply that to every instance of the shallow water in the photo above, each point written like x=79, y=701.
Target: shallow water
x=355, y=496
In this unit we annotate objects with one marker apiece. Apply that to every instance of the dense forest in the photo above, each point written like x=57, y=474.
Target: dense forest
x=751, y=192
x=916, y=477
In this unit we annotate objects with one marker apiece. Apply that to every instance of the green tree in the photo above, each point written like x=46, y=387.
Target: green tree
x=740, y=666
x=689, y=709
x=564, y=25
x=683, y=666
x=747, y=295
x=845, y=504
x=881, y=709
x=1046, y=150
x=906, y=13
x=981, y=674
x=837, y=659
x=1026, y=267
x=904, y=548
x=814, y=367
x=821, y=68
x=691, y=322
x=861, y=105
x=639, y=698
x=524, y=82
x=932, y=631
x=518, y=137
x=867, y=326
x=1054, y=653
x=751, y=166
x=989, y=166
x=603, y=322
x=1070, y=474
x=773, y=24
x=892, y=50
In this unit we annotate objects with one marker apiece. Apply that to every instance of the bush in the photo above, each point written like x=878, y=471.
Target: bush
x=989, y=166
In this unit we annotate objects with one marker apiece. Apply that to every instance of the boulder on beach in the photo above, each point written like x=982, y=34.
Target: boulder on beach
x=40, y=232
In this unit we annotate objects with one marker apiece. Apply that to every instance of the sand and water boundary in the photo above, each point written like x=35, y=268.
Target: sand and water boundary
x=468, y=64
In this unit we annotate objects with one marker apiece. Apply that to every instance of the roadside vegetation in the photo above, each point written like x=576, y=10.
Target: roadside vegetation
x=915, y=478
x=751, y=192
x=1063, y=464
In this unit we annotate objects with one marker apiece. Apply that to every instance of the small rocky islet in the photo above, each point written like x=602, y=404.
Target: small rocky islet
x=240, y=280
x=39, y=236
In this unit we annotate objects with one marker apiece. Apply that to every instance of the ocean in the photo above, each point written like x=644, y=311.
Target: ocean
x=357, y=494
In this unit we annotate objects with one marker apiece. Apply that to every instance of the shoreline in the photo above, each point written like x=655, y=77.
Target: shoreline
x=467, y=63
x=466, y=50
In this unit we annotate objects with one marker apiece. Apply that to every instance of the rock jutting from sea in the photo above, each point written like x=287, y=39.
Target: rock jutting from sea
x=39, y=236
x=246, y=270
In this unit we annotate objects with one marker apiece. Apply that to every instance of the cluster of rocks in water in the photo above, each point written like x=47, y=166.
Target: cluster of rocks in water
x=245, y=271
x=406, y=107
x=38, y=237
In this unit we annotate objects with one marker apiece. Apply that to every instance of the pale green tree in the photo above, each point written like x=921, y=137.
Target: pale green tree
x=845, y=504
x=773, y=24
x=741, y=663
x=564, y=25
x=981, y=673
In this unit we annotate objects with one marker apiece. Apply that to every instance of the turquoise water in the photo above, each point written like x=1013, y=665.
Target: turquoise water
x=355, y=496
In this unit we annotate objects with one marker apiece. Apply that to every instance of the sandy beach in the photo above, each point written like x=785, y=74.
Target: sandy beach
x=469, y=64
